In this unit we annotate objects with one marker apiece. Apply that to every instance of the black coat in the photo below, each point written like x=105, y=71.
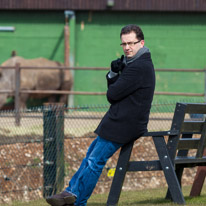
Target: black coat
x=130, y=95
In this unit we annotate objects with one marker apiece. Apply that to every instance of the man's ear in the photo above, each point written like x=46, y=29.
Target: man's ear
x=142, y=43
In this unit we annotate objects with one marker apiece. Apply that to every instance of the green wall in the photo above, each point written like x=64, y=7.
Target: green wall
x=176, y=40
x=37, y=34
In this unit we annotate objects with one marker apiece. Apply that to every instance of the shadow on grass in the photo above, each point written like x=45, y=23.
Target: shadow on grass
x=157, y=201
x=200, y=200
x=154, y=201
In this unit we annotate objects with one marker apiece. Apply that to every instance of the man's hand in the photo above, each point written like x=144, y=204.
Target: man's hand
x=117, y=65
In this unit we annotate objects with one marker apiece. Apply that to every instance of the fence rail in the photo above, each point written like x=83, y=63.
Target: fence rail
x=94, y=93
x=19, y=91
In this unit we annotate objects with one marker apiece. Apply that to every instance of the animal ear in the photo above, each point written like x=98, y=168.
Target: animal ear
x=13, y=53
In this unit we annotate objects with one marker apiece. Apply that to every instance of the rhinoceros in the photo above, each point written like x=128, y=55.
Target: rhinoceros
x=35, y=79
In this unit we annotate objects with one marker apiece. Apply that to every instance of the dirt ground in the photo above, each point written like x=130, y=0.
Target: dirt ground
x=22, y=155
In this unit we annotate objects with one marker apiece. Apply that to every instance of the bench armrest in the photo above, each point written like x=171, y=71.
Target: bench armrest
x=161, y=133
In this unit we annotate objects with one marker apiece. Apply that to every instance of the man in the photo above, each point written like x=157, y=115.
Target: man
x=131, y=83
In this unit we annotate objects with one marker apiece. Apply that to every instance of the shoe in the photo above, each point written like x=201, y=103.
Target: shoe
x=62, y=199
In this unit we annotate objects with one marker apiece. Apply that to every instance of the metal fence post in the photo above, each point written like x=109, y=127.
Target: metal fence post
x=53, y=141
x=17, y=92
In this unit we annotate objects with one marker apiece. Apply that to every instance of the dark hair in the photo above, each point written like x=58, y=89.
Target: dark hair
x=133, y=28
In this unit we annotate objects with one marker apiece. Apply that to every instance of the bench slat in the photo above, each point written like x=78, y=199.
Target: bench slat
x=192, y=127
x=161, y=133
x=196, y=108
x=190, y=160
x=144, y=166
x=202, y=143
x=188, y=143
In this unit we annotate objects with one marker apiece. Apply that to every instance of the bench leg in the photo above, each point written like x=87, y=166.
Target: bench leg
x=169, y=171
x=179, y=169
x=120, y=173
x=179, y=172
x=198, y=182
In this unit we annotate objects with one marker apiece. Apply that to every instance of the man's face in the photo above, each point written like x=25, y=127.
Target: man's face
x=131, y=44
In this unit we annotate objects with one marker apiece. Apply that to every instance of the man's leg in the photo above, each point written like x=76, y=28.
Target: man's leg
x=82, y=166
x=89, y=175
x=85, y=179
x=67, y=197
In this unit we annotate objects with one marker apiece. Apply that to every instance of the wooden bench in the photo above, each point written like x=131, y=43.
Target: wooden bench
x=173, y=152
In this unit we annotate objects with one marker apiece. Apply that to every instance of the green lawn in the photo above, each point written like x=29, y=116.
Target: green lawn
x=142, y=197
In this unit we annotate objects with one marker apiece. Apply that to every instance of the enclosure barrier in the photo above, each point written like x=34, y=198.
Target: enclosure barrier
x=50, y=144
x=53, y=124
x=18, y=91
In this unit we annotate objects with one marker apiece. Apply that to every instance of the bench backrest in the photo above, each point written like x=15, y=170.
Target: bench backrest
x=192, y=132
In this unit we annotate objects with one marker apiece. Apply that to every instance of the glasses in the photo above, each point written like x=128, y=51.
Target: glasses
x=130, y=44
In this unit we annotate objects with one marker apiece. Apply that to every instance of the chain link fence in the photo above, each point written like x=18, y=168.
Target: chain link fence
x=38, y=157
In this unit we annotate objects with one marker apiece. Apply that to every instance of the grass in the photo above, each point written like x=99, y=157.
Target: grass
x=147, y=197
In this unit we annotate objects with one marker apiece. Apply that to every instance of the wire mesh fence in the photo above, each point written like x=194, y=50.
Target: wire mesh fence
x=39, y=157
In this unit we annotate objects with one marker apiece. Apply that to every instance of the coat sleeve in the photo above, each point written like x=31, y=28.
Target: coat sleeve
x=111, y=80
x=128, y=82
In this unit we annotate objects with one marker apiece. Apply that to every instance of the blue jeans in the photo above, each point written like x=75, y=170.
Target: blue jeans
x=85, y=179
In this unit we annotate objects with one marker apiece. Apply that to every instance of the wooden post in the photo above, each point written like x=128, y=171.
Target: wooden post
x=66, y=73
x=66, y=44
x=68, y=15
x=17, y=94
x=53, y=118
x=68, y=54
x=199, y=180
